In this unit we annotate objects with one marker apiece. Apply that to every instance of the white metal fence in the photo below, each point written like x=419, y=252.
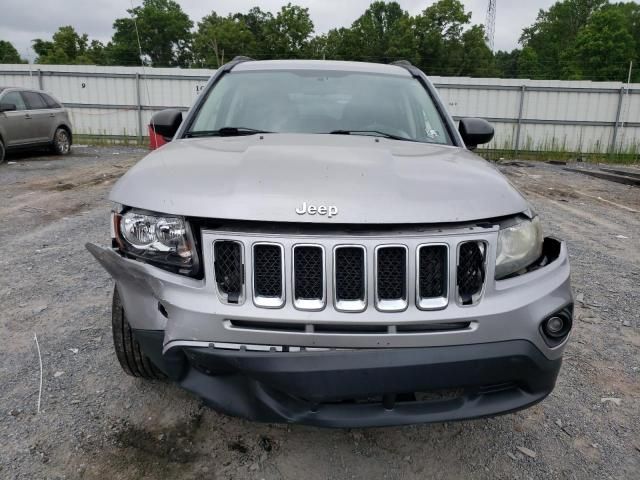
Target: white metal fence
x=533, y=115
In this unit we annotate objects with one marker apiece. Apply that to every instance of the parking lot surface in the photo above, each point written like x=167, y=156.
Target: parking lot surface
x=97, y=423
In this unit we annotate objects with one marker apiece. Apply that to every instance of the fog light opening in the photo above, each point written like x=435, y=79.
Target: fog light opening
x=554, y=326
x=557, y=326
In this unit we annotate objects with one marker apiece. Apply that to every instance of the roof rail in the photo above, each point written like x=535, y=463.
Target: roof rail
x=407, y=65
x=402, y=63
x=235, y=61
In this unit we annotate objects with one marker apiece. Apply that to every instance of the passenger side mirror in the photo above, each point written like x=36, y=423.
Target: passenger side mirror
x=475, y=131
x=7, y=107
x=167, y=122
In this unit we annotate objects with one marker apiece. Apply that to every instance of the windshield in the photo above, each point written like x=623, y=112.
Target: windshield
x=321, y=102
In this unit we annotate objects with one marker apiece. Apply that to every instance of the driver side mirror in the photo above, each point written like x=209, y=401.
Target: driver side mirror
x=475, y=131
x=7, y=107
x=166, y=122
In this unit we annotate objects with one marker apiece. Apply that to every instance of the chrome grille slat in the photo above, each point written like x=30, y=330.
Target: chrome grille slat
x=391, y=277
x=470, y=272
x=268, y=275
x=431, y=277
x=229, y=270
x=350, y=278
x=309, y=277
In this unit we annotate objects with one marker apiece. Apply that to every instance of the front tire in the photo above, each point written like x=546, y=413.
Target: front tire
x=61, y=142
x=2, y=152
x=130, y=356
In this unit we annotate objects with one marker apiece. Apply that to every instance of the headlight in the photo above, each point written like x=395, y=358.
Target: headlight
x=518, y=247
x=162, y=240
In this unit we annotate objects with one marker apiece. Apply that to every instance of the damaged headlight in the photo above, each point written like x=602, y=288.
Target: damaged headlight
x=165, y=241
x=518, y=247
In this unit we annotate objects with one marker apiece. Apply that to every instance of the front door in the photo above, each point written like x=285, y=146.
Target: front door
x=15, y=122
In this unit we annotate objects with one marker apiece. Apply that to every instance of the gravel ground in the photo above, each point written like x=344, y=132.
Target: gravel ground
x=94, y=420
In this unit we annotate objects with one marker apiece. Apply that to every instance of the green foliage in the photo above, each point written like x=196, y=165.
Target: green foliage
x=287, y=35
x=68, y=47
x=383, y=33
x=581, y=39
x=9, y=54
x=218, y=39
x=572, y=39
x=164, y=31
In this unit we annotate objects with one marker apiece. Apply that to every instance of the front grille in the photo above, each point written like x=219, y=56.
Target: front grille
x=229, y=268
x=308, y=273
x=403, y=274
x=350, y=277
x=267, y=270
x=391, y=273
x=471, y=269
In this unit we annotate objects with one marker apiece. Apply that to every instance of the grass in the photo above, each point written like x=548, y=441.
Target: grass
x=627, y=158
x=107, y=140
x=543, y=151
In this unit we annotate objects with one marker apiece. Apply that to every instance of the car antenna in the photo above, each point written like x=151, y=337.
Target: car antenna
x=144, y=73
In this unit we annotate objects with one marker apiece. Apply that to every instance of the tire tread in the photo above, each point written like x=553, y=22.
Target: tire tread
x=130, y=356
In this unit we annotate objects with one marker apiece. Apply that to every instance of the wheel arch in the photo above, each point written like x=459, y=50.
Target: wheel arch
x=65, y=127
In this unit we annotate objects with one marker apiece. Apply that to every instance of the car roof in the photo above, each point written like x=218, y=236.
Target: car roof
x=23, y=89
x=329, y=65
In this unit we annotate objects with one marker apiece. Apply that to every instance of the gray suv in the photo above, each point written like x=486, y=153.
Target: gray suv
x=31, y=118
x=319, y=244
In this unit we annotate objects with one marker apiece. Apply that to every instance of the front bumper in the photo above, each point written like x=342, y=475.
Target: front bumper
x=500, y=363
x=361, y=388
x=188, y=310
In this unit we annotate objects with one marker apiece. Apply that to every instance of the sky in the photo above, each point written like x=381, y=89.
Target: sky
x=23, y=20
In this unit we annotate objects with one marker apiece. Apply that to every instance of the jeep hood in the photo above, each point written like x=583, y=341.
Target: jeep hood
x=369, y=180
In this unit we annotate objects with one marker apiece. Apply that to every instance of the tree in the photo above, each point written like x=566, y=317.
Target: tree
x=164, y=31
x=9, y=54
x=383, y=33
x=554, y=33
x=477, y=58
x=287, y=34
x=342, y=44
x=507, y=63
x=256, y=21
x=605, y=46
x=448, y=45
x=68, y=47
x=218, y=39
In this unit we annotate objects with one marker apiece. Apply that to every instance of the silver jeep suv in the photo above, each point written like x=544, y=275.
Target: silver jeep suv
x=318, y=245
x=32, y=118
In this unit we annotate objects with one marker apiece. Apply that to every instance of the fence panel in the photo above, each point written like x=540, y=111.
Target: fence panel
x=539, y=115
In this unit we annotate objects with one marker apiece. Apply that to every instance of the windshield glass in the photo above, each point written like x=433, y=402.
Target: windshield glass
x=307, y=101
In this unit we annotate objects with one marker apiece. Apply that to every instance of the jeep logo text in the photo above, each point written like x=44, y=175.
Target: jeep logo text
x=330, y=211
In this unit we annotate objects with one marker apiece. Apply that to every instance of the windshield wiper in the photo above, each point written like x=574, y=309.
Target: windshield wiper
x=376, y=133
x=225, y=132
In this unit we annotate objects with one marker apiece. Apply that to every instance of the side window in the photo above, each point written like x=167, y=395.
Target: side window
x=34, y=101
x=16, y=99
x=50, y=102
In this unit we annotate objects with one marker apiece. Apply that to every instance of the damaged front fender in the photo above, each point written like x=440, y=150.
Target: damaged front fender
x=143, y=287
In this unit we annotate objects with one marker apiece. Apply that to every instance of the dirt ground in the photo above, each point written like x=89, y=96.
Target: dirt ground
x=96, y=422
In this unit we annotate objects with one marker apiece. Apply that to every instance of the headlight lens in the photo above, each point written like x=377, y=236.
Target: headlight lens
x=159, y=239
x=518, y=247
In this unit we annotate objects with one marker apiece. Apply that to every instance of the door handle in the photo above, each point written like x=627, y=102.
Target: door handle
x=52, y=114
x=27, y=116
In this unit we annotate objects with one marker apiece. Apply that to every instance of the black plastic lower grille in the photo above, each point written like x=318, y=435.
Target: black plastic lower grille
x=267, y=270
x=432, y=275
x=349, y=273
x=471, y=270
x=391, y=274
x=229, y=268
x=308, y=273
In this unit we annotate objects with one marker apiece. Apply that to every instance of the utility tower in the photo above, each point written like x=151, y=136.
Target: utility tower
x=490, y=24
